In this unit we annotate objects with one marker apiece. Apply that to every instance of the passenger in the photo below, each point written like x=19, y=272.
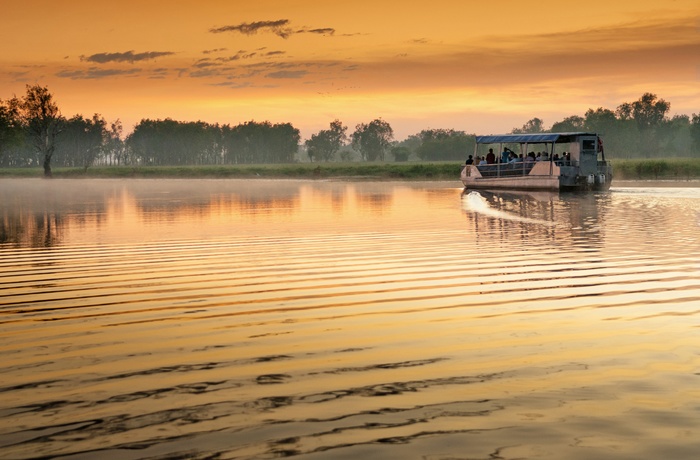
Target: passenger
x=530, y=157
x=539, y=156
x=512, y=158
x=491, y=157
x=555, y=158
x=477, y=162
x=470, y=160
x=505, y=155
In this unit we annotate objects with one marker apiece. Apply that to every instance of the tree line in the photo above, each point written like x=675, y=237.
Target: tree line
x=34, y=133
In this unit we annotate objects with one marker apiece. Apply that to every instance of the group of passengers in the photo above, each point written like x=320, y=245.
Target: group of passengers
x=508, y=156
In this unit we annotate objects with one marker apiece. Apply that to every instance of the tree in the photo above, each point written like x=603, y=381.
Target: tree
x=324, y=144
x=601, y=121
x=82, y=141
x=373, y=139
x=695, y=133
x=10, y=127
x=254, y=142
x=647, y=113
x=674, y=136
x=620, y=136
x=444, y=145
x=115, y=148
x=400, y=153
x=43, y=121
x=573, y=123
x=171, y=142
x=535, y=125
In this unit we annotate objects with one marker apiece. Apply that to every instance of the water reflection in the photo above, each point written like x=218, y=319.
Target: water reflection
x=326, y=320
x=501, y=216
x=44, y=214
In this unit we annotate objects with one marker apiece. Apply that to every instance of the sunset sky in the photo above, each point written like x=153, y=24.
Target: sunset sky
x=481, y=67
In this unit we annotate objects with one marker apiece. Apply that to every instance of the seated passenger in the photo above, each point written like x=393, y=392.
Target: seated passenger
x=470, y=160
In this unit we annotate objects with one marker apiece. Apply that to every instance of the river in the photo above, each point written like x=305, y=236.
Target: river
x=255, y=319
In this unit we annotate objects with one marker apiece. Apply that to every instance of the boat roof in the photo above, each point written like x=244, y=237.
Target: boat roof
x=531, y=138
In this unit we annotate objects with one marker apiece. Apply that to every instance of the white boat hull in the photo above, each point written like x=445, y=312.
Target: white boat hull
x=542, y=176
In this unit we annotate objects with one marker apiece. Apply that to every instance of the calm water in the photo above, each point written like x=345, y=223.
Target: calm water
x=339, y=320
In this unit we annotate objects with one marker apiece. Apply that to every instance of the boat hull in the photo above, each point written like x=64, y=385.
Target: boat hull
x=541, y=176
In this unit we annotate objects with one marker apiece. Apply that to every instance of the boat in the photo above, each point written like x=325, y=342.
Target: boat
x=565, y=161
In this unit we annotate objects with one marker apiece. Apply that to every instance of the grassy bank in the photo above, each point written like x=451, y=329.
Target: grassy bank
x=649, y=169
x=399, y=171
x=657, y=169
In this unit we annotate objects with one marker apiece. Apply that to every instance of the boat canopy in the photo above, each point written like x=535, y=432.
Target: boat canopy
x=536, y=138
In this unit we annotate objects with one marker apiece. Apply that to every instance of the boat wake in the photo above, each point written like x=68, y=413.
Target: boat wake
x=474, y=202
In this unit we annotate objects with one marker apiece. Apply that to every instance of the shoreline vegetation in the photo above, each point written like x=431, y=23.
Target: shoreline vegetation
x=672, y=169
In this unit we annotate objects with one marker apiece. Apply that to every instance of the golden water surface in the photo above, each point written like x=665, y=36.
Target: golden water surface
x=255, y=319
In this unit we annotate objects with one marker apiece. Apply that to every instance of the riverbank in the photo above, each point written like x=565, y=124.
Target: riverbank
x=673, y=169
x=402, y=171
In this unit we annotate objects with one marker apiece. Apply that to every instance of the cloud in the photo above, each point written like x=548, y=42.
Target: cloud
x=95, y=73
x=288, y=74
x=322, y=31
x=240, y=54
x=215, y=50
x=129, y=56
x=203, y=63
x=279, y=27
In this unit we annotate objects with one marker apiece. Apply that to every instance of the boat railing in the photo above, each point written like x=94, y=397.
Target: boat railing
x=506, y=169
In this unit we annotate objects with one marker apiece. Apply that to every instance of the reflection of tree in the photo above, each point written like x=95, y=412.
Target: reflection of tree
x=376, y=202
x=253, y=203
x=48, y=229
x=37, y=230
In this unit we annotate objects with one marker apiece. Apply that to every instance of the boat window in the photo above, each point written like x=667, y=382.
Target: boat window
x=588, y=144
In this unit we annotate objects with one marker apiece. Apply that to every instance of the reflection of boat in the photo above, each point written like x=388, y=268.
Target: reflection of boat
x=570, y=161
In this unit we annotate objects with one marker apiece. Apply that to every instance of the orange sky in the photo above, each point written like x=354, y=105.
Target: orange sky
x=480, y=67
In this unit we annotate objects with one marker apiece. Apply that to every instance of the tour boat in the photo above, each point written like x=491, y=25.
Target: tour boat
x=541, y=161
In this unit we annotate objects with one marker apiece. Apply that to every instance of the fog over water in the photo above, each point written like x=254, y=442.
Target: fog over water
x=253, y=319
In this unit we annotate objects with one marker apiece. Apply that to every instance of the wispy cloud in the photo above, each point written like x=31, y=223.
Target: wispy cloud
x=279, y=27
x=95, y=73
x=322, y=31
x=128, y=56
x=215, y=50
x=283, y=74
